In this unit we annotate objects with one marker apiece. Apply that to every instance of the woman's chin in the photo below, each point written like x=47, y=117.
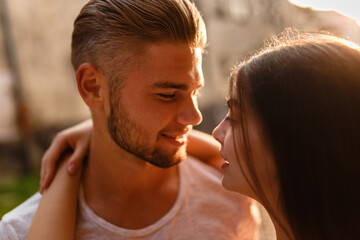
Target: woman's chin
x=240, y=187
x=228, y=184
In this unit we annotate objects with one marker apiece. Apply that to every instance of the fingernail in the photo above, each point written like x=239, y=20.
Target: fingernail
x=71, y=168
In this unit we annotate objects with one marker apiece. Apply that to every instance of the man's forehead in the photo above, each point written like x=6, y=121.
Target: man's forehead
x=167, y=65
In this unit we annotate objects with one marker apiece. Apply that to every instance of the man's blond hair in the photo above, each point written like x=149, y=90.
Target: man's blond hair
x=109, y=33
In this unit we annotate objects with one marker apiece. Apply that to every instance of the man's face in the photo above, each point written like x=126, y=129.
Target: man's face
x=156, y=107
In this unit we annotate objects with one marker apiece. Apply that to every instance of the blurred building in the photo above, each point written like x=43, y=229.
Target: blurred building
x=41, y=32
x=37, y=86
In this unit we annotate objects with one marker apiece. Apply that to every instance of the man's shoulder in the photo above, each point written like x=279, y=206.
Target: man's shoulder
x=192, y=165
x=203, y=180
x=201, y=177
x=210, y=200
x=16, y=223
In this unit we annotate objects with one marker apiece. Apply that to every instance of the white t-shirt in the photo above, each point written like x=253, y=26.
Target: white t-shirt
x=203, y=210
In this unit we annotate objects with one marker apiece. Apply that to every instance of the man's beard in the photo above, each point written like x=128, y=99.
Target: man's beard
x=132, y=138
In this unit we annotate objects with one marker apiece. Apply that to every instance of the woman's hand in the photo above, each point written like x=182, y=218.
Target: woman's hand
x=76, y=138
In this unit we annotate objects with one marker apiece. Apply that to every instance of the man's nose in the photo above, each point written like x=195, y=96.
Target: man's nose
x=190, y=113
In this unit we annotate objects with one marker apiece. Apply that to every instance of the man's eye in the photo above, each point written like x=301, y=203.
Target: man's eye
x=166, y=97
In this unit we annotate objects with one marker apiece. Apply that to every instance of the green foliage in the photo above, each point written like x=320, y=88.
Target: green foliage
x=16, y=189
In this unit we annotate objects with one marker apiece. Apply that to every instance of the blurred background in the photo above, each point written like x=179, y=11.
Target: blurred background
x=38, y=94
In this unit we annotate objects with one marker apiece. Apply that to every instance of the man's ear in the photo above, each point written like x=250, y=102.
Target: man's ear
x=90, y=83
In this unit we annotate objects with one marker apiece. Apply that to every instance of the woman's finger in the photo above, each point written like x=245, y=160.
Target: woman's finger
x=49, y=159
x=77, y=157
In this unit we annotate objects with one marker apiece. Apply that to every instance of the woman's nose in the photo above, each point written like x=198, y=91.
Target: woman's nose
x=218, y=133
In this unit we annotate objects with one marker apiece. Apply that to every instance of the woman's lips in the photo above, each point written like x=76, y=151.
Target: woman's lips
x=225, y=164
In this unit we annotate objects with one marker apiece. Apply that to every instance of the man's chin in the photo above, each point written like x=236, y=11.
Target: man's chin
x=167, y=161
x=164, y=164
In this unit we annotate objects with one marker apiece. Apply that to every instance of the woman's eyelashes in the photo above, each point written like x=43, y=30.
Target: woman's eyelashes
x=228, y=119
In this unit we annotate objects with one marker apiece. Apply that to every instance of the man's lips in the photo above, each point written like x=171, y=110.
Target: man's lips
x=175, y=135
x=177, y=139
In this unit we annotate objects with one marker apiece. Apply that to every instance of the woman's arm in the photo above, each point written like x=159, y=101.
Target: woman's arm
x=56, y=213
x=204, y=147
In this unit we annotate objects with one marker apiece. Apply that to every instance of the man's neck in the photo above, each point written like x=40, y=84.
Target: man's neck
x=126, y=190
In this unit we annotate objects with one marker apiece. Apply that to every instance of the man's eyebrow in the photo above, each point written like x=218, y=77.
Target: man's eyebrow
x=173, y=85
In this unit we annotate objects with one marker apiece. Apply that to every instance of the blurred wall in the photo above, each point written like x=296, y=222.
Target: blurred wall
x=42, y=34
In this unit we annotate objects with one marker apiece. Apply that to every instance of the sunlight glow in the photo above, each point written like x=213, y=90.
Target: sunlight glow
x=346, y=7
